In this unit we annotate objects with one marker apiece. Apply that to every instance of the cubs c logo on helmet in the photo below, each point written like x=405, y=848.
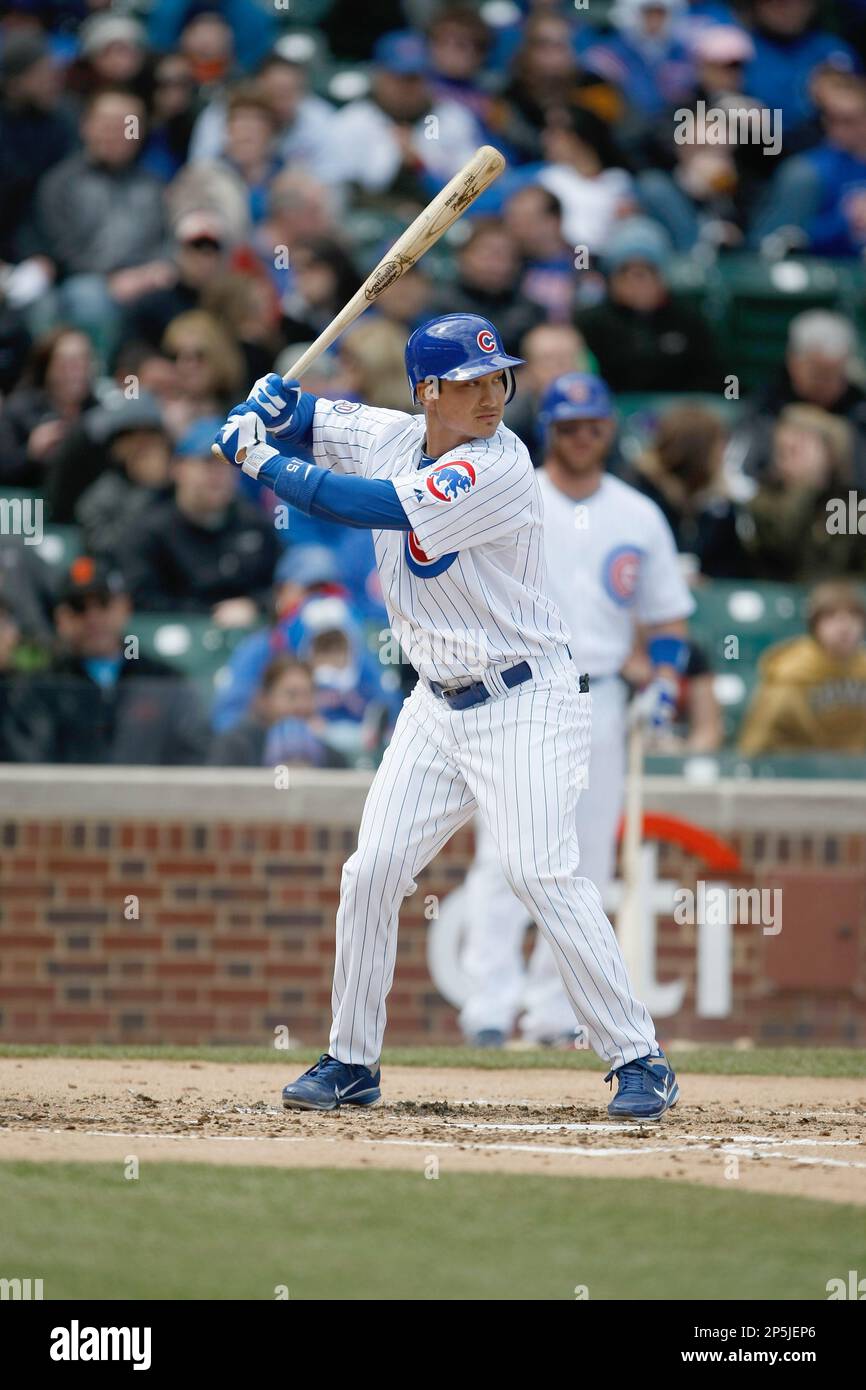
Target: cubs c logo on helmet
x=449, y=480
x=486, y=340
x=620, y=573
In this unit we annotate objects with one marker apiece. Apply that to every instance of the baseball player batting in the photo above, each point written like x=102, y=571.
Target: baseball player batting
x=502, y=729
x=614, y=574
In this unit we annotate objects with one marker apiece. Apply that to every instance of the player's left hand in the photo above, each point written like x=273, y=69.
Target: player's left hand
x=655, y=706
x=241, y=431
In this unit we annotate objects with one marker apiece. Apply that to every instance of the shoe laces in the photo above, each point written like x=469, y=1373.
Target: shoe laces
x=325, y=1064
x=631, y=1077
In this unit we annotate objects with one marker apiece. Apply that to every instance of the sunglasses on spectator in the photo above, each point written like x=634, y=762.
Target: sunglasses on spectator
x=186, y=355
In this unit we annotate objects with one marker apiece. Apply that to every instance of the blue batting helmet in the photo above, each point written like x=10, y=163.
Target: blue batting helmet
x=457, y=347
x=575, y=396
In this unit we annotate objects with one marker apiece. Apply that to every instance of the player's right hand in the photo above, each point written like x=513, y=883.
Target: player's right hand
x=275, y=401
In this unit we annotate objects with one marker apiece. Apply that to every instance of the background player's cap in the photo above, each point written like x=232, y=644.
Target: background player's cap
x=457, y=347
x=576, y=396
x=401, y=51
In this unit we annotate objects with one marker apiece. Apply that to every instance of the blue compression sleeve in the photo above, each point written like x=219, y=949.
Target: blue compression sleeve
x=371, y=503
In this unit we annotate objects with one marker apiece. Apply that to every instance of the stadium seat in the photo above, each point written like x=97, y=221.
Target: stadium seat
x=59, y=546
x=760, y=298
x=755, y=615
x=189, y=642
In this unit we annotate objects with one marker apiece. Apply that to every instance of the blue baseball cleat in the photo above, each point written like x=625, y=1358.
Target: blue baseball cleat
x=647, y=1088
x=330, y=1084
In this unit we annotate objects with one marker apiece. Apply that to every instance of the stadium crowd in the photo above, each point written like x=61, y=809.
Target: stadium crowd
x=191, y=190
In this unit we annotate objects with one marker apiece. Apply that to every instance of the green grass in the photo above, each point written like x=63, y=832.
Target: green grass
x=718, y=1061
x=184, y=1231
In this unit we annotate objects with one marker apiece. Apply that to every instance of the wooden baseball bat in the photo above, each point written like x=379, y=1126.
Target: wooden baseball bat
x=628, y=917
x=441, y=213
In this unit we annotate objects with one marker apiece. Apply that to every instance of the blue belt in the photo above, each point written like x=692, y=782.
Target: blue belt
x=475, y=694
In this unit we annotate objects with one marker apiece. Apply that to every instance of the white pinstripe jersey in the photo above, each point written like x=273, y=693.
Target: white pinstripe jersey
x=468, y=587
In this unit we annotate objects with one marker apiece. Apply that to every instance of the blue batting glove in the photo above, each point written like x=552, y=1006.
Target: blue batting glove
x=275, y=401
x=655, y=706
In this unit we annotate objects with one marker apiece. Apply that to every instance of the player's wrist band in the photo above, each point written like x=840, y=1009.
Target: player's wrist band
x=667, y=650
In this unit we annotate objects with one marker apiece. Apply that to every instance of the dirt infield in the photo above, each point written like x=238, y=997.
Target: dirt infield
x=790, y=1135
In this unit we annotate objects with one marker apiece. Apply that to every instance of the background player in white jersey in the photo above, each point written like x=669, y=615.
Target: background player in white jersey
x=497, y=724
x=616, y=578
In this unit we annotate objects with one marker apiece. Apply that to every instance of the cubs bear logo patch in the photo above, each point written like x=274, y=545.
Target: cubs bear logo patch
x=450, y=480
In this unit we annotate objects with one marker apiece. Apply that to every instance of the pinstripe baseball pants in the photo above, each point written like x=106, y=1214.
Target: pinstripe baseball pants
x=518, y=761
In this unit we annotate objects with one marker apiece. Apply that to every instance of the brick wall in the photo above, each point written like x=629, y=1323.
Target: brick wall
x=130, y=912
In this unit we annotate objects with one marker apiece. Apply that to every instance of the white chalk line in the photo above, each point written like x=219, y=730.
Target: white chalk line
x=575, y=1151
x=630, y=1128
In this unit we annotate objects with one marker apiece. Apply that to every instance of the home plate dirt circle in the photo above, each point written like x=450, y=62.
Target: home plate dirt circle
x=790, y=1135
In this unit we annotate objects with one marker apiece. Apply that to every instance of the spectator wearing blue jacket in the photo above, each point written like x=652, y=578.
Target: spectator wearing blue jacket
x=305, y=573
x=820, y=195
x=644, y=57
x=789, y=48
x=253, y=28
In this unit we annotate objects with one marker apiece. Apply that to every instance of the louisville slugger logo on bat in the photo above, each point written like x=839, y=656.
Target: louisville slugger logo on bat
x=386, y=274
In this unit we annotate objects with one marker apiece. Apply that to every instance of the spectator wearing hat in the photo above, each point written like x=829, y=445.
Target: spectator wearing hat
x=56, y=388
x=205, y=550
x=643, y=339
x=139, y=477
x=201, y=255
x=382, y=143
x=304, y=572
x=35, y=134
x=113, y=52
x=99, y=219
x=812, y=692
x=102, y=440
x=281, y=726
x=101, y=700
